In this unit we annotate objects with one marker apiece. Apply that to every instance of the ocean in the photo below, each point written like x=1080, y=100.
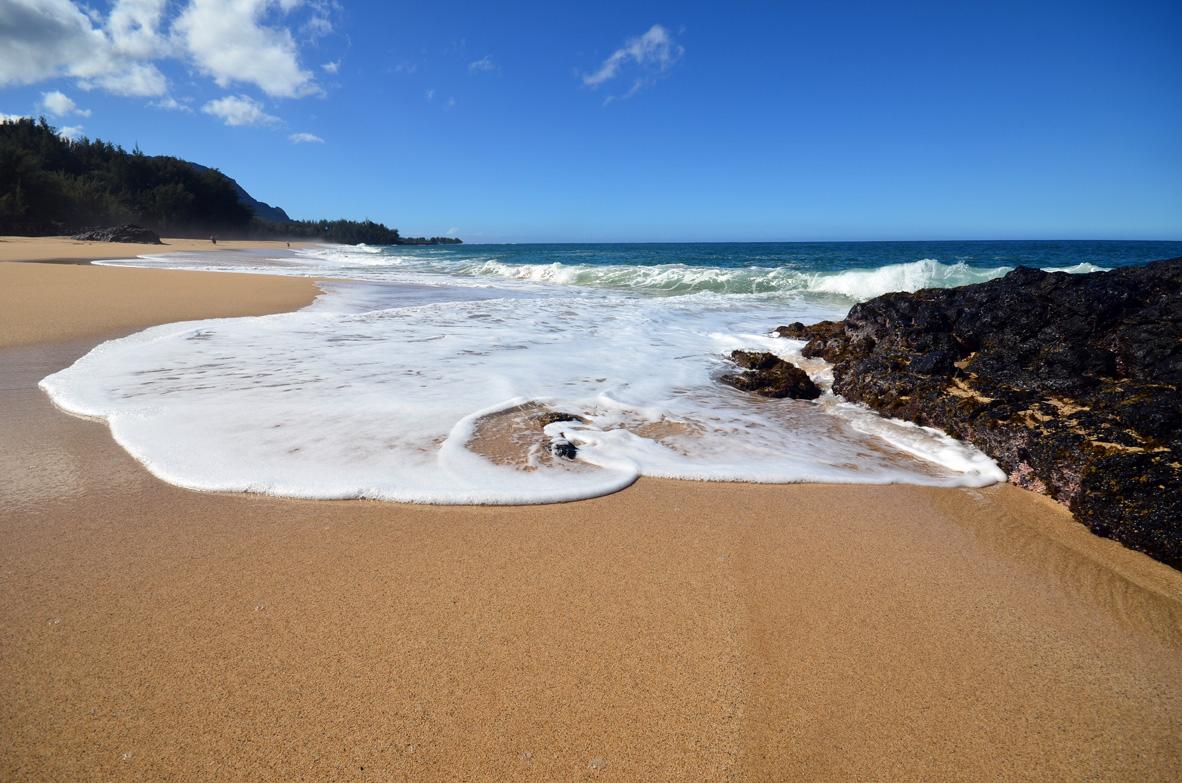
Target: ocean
x=420, y=374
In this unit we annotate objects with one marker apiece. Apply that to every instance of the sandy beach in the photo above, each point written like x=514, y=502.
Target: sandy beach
x=51, y=302
x=672, y=631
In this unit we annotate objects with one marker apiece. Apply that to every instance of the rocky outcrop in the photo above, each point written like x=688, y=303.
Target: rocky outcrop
x=770, y=376
x=1071, y=382
x=125, y=233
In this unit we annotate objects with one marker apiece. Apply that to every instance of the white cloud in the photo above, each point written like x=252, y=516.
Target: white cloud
x=453, y=231
x=229, y=42
x=119, y=48
x=71, y=132
x=484, y=65
x=59, y=104
x=48, y=39
x=305, y=138
x=134, y=27
x=332, y=67
x=430, y=94
x=44, y=39
x=170, y=104
x=239, y=110
x=141, y=80
x=451, y=102
x=643, y=59
x=320, y=23
x=13, y=117
x=317, y=27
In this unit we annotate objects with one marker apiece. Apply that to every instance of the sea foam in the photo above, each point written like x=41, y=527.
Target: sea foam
x=384, y=393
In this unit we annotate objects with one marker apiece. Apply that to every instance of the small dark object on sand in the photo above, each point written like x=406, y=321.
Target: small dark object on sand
x=561, y=447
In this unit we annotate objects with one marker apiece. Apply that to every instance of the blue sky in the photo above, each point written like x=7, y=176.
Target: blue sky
x=639, y=121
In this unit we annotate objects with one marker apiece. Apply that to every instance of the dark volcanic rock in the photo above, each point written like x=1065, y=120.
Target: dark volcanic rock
x=1071, y=382
x=769, y=375
x=825, y=338
x=124, y=233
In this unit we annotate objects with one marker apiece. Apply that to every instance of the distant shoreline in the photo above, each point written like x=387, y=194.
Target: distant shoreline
x=63, y=249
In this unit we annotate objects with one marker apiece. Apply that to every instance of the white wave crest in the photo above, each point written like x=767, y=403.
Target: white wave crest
x=862, y=284
x=1082, y=268
x=852, y=284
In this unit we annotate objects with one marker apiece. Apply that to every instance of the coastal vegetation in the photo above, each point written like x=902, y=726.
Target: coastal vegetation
x=52, y=185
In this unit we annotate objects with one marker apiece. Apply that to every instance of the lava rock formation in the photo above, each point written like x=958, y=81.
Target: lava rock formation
x=770, y=376
x=125, y=233
x=1071, y=382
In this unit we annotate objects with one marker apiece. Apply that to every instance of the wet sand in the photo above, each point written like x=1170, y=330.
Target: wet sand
x=89, y=300
x=673, y=631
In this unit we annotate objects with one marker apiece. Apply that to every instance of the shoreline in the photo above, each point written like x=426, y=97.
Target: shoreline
x=123, y=307
x=673, y=630
x=63, y=248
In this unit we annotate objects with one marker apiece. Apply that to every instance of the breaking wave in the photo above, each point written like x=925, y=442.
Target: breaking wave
x=394, y=265
x=681, y=279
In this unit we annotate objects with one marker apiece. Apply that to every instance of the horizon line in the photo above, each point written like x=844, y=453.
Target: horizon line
x=797, y=241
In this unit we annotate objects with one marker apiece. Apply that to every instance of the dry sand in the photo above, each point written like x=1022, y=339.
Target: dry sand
x=673, y=631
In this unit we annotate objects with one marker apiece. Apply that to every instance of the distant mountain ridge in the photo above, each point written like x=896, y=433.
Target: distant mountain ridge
x=260, y=209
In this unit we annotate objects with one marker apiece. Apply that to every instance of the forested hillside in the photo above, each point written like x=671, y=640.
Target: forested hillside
x=51, y=185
